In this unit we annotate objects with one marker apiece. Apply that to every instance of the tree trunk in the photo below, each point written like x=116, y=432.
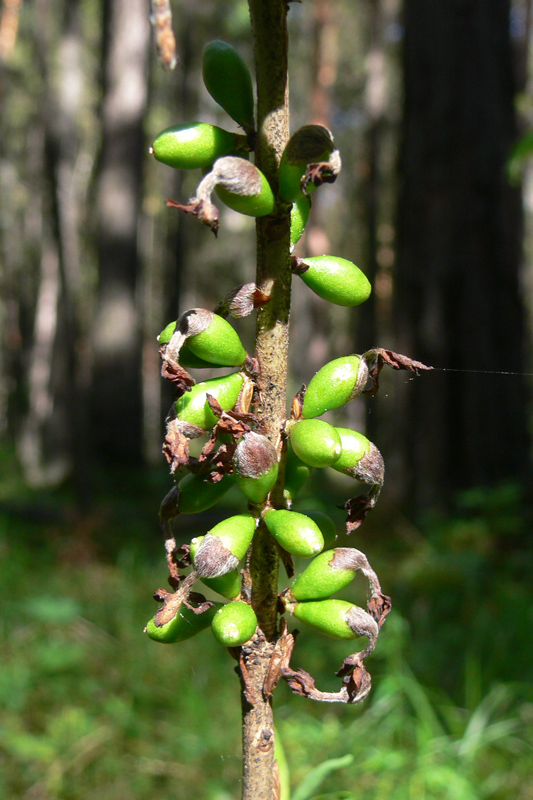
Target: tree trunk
x=459, y=252
x=116, y=390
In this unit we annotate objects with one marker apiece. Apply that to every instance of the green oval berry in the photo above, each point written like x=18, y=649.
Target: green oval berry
x=336, y=279
x=326, y=525
x=328, y=616
x=224, y=546
x=193, y=145
x=325, y=575
x=229, y=82
x=255, y=465
x=331, y=387
x=299, y=216
x=308, y=145
x=317, y=443
x=197, y=494
x=354, y=447
x=236, y=533
x=255, y=199
x=296, y=475
x=184, y=625
x=193, y=407
x=228, y=585
x=219, y=344
x=234, y=624
x=295, y=532
x=186, y=358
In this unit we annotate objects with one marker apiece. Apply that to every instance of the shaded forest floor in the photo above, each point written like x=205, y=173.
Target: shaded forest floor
x=92, y=709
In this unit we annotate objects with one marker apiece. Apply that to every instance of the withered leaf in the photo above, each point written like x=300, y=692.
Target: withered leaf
x=379, y=356
x=321, y=172
x=298, y=402
x=241, y=301
x=214, y=405
x=203, y=210
x=175, y=373
x=358, y=507
x=281, y=657
x=379, y=606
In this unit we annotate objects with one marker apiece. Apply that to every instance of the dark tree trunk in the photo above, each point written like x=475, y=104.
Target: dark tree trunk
x=116, y=396
x=459, y=251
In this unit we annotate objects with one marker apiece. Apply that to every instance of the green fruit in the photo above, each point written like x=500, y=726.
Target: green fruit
x=219, y=344
x=253, y=198
x=326, y=525
x=310, y=144
x=194, y=145
x=295, y=532
x=296, y=475
x=234, y=624
x=336, y=279
x=331, y=617
x=327, y=574
x=224, y=546
x=228, y=585
x=317, y=443
x=334, y=385
x=196, y=494
x=167, y=333
x=184, y=625
x=229, y=82
x=255, y=465
x=193, y=407
x=299, y=216
x=354, y=447
x=188, y=360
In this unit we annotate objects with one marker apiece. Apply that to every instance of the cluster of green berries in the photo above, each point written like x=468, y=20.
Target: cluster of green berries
x=238, y=452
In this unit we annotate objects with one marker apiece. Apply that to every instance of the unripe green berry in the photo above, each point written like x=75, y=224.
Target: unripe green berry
x=296, y=475
x=208, y=337
x=253, y=197
x=184, y=625
x=295, y=532
x=335, y=279
x=185, y=358
x=219, y=343
x=326, y=525
x=255, y=465
x=193, y=407
x=196, y=494
x=317, y=443
x=228, y=585
x=327, y=574
x=299, y=216
x=354, y=447
x=224, y=546
x=234, y=624
x=229, y=82
x=193, y=145
x=336, y=618
x=310, y=144
x=334, y=385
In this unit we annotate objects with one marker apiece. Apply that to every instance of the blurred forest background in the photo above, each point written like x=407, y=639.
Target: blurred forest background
x=426, y=101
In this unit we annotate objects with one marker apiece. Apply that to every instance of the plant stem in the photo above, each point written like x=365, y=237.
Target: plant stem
x=272, y=338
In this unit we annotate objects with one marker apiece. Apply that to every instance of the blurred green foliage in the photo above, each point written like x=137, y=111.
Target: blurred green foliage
x=92, y=709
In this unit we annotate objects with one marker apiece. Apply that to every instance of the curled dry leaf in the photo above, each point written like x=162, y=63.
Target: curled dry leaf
x=358, y=507
x=241, y=301
x=297, y=403
x=379, y=356
x=174, y=372
x=204, y=210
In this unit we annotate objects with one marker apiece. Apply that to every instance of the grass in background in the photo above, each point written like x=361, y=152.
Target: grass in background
x=91, y=709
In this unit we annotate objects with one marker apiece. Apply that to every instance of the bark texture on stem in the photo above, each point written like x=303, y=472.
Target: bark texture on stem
x=273, y=277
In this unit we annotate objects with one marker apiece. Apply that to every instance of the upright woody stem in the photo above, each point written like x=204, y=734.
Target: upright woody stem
x=272, y=338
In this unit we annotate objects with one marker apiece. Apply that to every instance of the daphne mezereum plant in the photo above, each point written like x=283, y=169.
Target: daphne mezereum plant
x=250, y=441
